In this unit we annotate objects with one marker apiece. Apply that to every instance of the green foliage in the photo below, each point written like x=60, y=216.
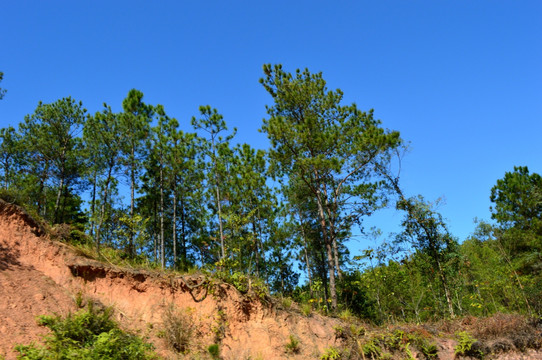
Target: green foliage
x=430, y=351
x=88, y=334
x=325, y=152
x=246, y=284
x=12, y=197
x=465, y=346
x=331, y=353
x=306, y=309
x=517, y=198
x=214, y=351
x=220, y=325
x=356, y=343
x=286, y=302
x=53, y=153
x=292, y=346
x=517, y=208
x=353, y=295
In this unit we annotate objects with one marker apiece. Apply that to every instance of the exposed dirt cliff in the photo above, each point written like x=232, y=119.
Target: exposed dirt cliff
x=39, y=276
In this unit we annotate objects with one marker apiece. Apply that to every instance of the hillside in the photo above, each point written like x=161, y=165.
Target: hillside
x=40, y=276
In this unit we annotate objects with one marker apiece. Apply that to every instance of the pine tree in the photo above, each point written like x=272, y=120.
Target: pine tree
x=218, y=151
x=135, y=129
x=332, y=148
x=51, y=136
x=102, y=144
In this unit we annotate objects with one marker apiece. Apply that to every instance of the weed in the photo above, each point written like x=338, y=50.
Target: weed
x=372, y=349
x=331, y=353
x=346, y=315
x=178, y=328
x=306, y=309
x=465, y=346
x=340, y=333
x=79, y=299
x=357, y=331
x=88, y=334
x=287, y=302
x=292, y=347
x=430, y=351
x=219, y=329
x=214, y=351
x=410, y=356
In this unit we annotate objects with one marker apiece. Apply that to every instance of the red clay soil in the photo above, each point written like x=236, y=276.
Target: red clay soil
x=39, y=276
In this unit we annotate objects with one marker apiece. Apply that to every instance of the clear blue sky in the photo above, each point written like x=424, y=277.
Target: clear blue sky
x=461, y=80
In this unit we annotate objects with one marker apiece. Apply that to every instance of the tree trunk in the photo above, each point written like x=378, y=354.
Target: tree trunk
x=162, y=242
x=57, y=203
x=305, y=247
x=103, y=209
x=183, y=235
x=175, y=224
x=131, y=251
x=223, y=252
x=256, y=248
x=93, y=204
x=329, y=253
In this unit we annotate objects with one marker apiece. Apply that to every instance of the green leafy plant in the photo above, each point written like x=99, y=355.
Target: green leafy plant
x=214, y=351
x=331, y=353
x=430, y=351
x=87, y=334
x=79, y=299
x=292, y=347
x=465, y=346
x=306, y=309
x=372, y=349
x=287, y=302
x=219, y=328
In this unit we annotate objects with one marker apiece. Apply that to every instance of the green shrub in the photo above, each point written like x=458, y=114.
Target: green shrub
x=12, y=197
x=430, y=351
x=214, y=350
x=331, y=353
x=306, y=309
x=287, y=302
x=466, y=346
x=88, y=334
x=292, y=347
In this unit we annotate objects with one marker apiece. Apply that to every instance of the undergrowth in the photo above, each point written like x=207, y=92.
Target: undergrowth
x=178, y=329
x=292, y=346
x=88, y=334
x=467, y=346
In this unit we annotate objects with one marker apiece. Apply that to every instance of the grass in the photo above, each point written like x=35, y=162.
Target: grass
x=292, y=346
x=178, y=329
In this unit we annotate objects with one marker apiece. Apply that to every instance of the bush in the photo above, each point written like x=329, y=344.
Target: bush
x=466, y=346
x=214, y=351
x=12, y=197
x=88, y=334
x=292, y=347
x=331, y=353
x=178, y=329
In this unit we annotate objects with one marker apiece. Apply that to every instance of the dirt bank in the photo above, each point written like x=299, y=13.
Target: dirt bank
x=39, y=276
